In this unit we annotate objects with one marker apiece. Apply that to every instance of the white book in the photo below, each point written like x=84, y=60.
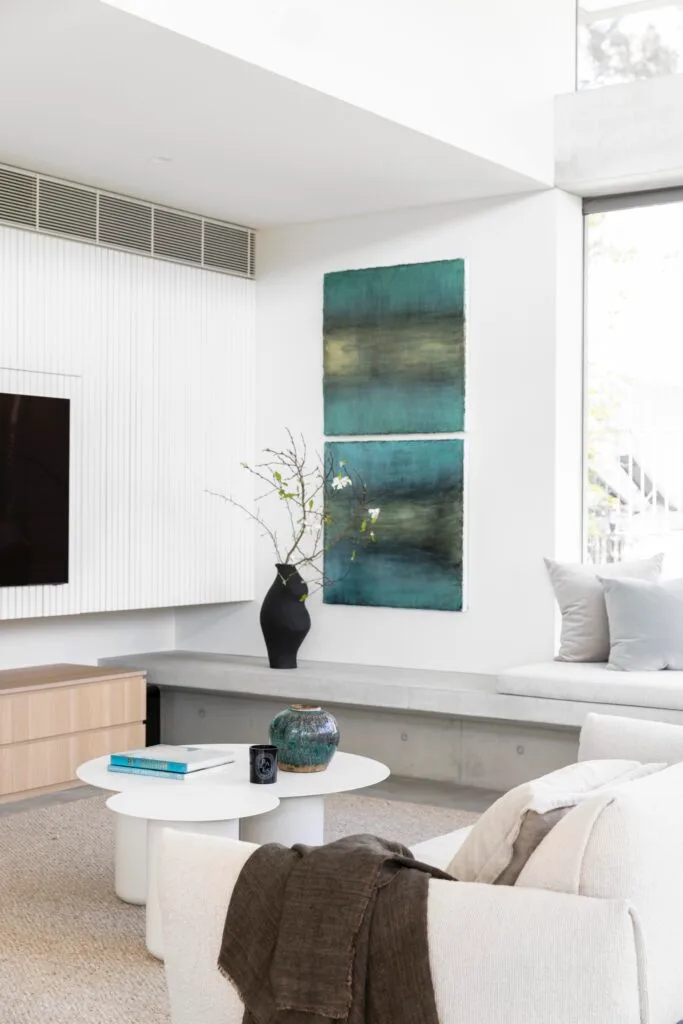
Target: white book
x=168, y=758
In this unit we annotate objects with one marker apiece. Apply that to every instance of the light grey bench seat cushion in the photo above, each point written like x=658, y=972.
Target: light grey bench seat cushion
x=594, y=683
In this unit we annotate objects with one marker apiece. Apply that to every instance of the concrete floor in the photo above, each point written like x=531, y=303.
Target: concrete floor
x=33, y=803
x=436, y=794
x=417, y=791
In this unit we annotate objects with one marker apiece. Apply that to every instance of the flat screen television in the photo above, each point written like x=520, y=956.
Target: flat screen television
x=34, y=490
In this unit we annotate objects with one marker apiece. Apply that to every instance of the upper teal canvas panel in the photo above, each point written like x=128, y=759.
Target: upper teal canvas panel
x=394, y=349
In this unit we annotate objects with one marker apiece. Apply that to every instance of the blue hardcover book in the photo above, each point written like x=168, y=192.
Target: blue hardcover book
x=156, y=773
x=167, y=758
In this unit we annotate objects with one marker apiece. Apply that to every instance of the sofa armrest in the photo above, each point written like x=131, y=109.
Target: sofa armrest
x=523, y=956
x=632, y=739
x=439, y=852
x=196, y=878
x=527, y=956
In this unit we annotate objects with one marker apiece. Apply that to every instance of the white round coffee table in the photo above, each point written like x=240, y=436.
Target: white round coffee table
x=211, y=811
x=300, y=817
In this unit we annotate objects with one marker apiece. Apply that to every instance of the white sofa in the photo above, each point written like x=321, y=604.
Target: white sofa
x=597, y=937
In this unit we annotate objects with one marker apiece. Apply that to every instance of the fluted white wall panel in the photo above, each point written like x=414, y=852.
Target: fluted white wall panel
x=158, y=361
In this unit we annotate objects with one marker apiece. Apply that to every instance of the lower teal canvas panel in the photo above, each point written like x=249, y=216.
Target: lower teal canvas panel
x=416, y=560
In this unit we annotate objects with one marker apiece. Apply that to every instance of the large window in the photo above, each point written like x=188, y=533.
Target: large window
x=634, y=381
x=623, y=40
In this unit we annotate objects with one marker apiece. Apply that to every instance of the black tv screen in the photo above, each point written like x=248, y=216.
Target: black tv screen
x=34, y=490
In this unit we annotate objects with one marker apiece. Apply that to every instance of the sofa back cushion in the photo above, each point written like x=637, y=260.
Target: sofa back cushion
x=507, y=833
x=613, y=736
x=627, y=843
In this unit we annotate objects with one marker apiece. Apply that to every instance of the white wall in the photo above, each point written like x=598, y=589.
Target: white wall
x=157, y=360
x=480, y=74
x=517, y=360
x=83, y=639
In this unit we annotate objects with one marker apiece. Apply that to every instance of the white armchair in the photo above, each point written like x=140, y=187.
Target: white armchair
x=606, y=949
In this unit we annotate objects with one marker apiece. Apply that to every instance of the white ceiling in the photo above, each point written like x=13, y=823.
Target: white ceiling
x=97, y=96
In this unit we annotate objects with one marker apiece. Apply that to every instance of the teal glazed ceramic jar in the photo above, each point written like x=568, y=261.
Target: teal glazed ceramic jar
x=306, y=738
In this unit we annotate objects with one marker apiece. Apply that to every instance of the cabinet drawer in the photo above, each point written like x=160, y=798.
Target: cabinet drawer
x=49, y=762
x=58, y=710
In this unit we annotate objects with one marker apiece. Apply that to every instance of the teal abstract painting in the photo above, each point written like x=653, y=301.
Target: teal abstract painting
x=413, y=555
x=394, y=349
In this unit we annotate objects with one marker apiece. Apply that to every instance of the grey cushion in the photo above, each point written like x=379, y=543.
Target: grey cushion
x=579, y=593
x=532, y=832
x=645, y=623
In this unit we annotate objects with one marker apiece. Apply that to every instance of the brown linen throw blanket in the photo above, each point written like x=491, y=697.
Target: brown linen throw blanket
x=331, y=933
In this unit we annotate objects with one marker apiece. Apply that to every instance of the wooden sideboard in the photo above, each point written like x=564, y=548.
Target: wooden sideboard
x=54, y=717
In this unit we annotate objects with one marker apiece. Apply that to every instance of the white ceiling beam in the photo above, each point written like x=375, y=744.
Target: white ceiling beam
x=620, y=139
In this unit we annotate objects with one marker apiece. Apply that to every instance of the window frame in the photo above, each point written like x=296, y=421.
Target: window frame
x=633, y=7
x=605, y=204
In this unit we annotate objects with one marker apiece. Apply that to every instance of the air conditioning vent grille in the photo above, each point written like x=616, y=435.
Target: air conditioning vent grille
x=177, y=237
x=18, y=197
x=226, y=247
x=57, y=207
x=251, y=270
x=125, y=223
x=67, y=209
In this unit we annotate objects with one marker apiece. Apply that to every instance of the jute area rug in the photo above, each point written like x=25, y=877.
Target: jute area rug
x=72, y=953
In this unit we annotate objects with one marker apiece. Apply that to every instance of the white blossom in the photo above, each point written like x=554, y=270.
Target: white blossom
x=374, y=514
x=340, y=482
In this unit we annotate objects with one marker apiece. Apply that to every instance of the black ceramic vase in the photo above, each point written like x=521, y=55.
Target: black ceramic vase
x=284, y=617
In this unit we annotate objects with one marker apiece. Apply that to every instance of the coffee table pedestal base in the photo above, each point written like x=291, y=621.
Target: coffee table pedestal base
x=299, y=819
x=130, y=859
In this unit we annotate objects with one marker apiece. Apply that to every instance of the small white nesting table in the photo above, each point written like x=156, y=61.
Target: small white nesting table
x=299, y=817
x=211, y=811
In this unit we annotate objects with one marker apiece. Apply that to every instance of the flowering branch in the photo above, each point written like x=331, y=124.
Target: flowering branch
x=305, y=487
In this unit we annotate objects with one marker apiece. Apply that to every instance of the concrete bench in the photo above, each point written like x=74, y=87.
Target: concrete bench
x=457, y=727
